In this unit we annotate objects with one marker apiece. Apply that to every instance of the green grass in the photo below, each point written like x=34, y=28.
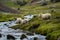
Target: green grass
x=8, y=16
x=45, y=27
x=54, y=35
x=49, y=28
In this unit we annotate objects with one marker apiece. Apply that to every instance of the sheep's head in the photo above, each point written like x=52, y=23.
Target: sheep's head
x=40, y=15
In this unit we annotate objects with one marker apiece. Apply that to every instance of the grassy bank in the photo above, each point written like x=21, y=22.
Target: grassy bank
x=8, y=16
x=44, y=27
x=50, y=28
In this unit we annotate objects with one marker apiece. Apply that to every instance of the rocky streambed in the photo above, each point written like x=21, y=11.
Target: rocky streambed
x=7, y=33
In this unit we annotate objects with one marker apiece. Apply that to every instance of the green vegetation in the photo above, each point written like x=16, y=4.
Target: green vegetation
x=7, y=16
x=50, y=28
x=54, y=35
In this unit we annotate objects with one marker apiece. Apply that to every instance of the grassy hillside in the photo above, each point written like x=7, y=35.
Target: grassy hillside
x=50, y=28
x=7, y=16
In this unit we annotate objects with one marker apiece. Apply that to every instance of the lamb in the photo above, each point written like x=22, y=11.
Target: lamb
x=45, y=16
x=20, y=20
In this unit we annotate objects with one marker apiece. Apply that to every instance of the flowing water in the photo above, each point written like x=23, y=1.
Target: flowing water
x=5, y=30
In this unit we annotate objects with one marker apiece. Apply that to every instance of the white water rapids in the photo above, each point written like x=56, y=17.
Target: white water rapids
x=5, y=30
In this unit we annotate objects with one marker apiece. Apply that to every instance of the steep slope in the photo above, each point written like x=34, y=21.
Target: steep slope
x=50, y=28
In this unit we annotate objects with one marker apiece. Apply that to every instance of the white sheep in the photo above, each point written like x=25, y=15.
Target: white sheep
x=20, y=20
x=24, y=21
x=45, y=16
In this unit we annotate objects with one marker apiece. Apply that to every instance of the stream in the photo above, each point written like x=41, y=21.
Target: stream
x=16, y=34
